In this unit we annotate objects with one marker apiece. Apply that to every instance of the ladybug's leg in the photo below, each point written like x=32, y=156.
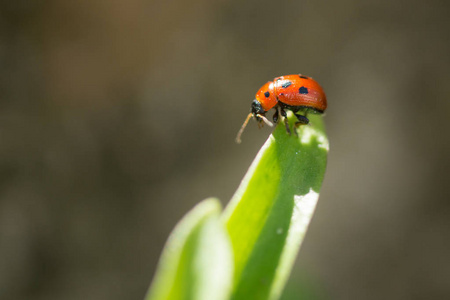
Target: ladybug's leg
x=302, y=120
x=275, y=116
x=286, y=123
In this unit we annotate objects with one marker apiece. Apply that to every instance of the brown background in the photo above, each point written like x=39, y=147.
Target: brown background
x=116, y=117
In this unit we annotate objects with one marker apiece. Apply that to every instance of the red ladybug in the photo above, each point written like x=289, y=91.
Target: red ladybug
x=298, y=93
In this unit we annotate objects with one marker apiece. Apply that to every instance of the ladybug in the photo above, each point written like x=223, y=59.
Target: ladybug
x=297, y=93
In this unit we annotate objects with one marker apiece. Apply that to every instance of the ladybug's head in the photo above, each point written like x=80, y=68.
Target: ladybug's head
x=257, y=112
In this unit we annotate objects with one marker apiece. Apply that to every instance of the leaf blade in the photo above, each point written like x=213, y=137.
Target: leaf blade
x=270, y=212
x=197, y=261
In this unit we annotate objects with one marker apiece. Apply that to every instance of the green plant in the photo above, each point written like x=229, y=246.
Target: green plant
x=248, y=251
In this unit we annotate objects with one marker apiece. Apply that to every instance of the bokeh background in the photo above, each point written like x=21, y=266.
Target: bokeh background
x=117, y=117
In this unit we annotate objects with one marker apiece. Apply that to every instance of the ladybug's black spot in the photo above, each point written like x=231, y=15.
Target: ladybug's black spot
x=267, y=94
x=286, y=84
x=303, y=90
x=282, y=94
x=304, y=77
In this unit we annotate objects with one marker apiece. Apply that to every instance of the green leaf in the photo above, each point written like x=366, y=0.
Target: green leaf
x=197, y=260
x=268, y=216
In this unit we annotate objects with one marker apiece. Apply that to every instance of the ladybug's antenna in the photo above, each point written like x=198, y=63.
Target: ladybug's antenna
x=265, y=120
x=238, y=137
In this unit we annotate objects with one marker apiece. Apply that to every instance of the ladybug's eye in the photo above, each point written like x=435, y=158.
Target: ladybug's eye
x=256, y=107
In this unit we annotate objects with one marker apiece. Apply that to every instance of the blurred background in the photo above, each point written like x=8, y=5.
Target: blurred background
x=117, y=117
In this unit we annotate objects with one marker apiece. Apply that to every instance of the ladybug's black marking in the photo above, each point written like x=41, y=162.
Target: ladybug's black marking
x=286, y=84
x=303, y=90
x=267, y=94
x=282, y=94
x=304, y=77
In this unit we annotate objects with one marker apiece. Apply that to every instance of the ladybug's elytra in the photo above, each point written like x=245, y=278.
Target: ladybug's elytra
x=298, y=93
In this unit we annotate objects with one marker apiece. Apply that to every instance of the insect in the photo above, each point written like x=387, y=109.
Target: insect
x=297, y=93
